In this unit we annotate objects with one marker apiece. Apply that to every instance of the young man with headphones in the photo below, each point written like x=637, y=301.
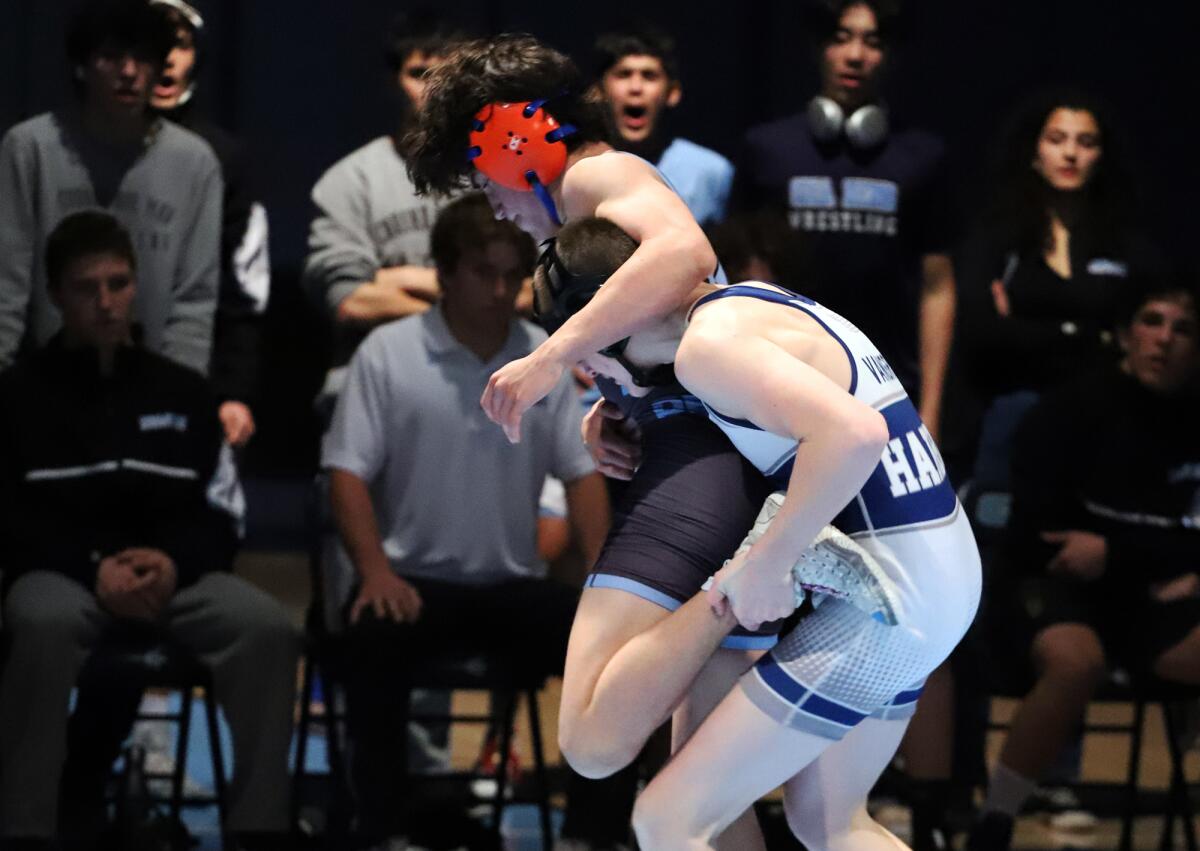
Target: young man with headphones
x=867, y=196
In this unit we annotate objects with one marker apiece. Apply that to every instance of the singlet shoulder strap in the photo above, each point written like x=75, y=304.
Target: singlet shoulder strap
x=751, y=289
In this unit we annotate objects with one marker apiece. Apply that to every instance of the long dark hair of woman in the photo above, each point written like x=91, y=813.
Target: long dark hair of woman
x=1100, y=212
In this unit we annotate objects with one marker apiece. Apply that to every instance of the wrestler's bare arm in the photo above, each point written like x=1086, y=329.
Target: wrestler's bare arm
x=741, y=368
x=673, y=254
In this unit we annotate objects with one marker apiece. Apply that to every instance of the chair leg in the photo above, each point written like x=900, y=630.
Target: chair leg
x=298, y=771
x=339, y=804
x=1131, y=778
x=1178, y=802
x=218, y=761
x=181, y=750
x=539, y=766
x=508, y=714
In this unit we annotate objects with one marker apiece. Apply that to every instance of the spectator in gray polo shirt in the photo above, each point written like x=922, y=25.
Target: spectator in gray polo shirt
x=437, y=510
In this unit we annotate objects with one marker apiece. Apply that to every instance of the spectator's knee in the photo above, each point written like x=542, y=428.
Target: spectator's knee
x=41, y=622
x=271, y=632
x=1072, y=659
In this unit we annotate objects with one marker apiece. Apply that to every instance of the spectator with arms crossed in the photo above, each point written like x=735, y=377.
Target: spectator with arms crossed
x=368, y=246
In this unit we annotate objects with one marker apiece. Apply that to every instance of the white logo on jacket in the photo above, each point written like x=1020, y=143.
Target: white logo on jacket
x=162, y=422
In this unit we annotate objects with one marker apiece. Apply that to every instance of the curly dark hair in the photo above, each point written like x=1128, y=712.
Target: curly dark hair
x=1020, y=214
x=506, y=69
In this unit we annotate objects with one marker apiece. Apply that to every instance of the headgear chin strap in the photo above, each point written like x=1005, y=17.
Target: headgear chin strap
x=569, y=293
x=518, y=146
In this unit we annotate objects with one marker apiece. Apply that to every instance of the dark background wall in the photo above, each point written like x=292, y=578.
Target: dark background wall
x=304, y=83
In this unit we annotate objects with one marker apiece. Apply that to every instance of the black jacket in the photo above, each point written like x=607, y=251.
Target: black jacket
x=1108, y=456
x=92, y=465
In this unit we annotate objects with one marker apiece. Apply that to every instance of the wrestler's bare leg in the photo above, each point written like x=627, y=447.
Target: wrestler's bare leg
x=629, y=664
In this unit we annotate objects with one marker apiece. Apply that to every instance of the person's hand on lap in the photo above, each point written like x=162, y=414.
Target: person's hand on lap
x=388, y=596
x=237, y=421
x=1083, y=555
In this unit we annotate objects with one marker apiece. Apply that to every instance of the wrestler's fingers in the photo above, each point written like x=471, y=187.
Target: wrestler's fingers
x=626, y=461
x=618, y=447
x=492, y=400
x=624, y=474
x=512, y=427
x=718, y=602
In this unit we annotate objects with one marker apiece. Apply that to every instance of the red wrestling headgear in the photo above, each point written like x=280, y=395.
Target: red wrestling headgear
x=519, y=146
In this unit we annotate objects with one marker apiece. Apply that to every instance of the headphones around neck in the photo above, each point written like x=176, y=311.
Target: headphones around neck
x=520, y=146
x=865, y=128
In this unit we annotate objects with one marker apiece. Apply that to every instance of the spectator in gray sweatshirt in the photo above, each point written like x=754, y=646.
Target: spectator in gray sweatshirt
x=108, y=150
x=368, y=246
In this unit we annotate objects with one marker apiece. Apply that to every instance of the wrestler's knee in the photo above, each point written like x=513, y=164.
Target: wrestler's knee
x=658, y=825
x=595, y=754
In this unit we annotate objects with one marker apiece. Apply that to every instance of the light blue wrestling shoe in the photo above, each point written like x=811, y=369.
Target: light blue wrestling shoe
x=834, y=565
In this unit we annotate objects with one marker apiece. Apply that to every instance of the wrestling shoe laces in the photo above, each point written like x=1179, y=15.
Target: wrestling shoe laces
x=834, y=565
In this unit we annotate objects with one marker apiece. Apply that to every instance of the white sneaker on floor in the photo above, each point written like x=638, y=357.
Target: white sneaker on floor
x=835, y=565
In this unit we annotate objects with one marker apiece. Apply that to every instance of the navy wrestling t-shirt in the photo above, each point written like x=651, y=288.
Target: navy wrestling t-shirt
x=868, y=218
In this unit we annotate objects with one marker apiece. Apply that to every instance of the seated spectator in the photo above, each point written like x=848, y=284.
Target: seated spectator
x=245, y=262
x=110, y=151
x=437, y=510
x=1106, y=483
x=120, y=510
x=368, y=247
x=639, y=76
x=1041, y=277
